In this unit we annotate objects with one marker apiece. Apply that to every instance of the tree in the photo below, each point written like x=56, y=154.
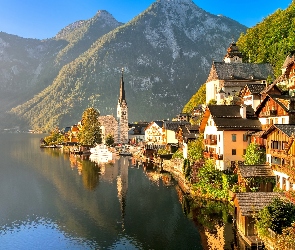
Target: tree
x=196, y=149
x=55, y=137
x=198, y=98
x=90, y=132
x=109, y=140
x=254, y=155
x=279, y=214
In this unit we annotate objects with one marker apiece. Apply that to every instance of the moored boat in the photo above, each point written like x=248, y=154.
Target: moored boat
x=102, y=153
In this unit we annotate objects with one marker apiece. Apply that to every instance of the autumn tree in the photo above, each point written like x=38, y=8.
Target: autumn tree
x=90, y=132
x=55, y=137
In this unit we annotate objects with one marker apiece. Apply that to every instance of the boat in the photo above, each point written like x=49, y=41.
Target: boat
x=101, y=152
x=125, y=153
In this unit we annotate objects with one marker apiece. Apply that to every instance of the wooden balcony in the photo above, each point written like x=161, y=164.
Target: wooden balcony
x=277, y=153
x=213, y=156
x=210, y=142
x=286, y=169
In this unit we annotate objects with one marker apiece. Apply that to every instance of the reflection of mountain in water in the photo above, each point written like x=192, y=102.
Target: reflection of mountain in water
x=108, y=208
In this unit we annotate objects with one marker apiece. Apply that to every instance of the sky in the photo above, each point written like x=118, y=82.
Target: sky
x=44, y=19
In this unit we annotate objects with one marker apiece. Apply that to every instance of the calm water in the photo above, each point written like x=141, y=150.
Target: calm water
x=50, y=200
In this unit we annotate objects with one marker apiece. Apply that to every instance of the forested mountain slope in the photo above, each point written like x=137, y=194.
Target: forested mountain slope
x=166, y=52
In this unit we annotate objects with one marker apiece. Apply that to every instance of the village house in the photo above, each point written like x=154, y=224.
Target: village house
x=256, y=178
x=71, y=134
x=287, y=77
x=136, y=133
x=246, y=205
x=185, y=134
x=276, y=109
x=153, y=133
x=227, y=78
x=163, y=132
x=226, y=130
x=251, y=94
x=280, y=153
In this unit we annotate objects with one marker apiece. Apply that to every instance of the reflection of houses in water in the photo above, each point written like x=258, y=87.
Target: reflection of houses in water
x=208, y=216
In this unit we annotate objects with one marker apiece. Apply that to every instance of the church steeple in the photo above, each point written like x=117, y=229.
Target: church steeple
x=122, y=114
x=233, y=54
x=122, y=89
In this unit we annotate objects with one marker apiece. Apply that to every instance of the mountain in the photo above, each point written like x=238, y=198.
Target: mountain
x=28, y=66
x=166, y=53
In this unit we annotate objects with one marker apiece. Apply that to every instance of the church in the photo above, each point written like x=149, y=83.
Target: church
x=122, y=114
x=117, y=127
x=227, y=78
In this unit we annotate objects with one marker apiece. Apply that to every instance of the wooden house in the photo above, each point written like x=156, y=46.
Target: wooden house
x=153, y=133
x=226, y=129
x=251, y=94
x=280, y=153
x=259, y=178
x=246, y=205
x=276, y=109
x=170, y=129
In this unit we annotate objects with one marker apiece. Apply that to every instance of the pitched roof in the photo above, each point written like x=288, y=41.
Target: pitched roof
x=283, y=101
x=228, y=117
x=287, y=129
x=174, y=125
x=256, y=88
x=289, y=60
x=240, y=71
x=255, y=201
x=247, y=171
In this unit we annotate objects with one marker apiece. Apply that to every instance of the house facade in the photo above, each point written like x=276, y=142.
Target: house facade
x=226, y=129
x=154, y=132
x=280, y=154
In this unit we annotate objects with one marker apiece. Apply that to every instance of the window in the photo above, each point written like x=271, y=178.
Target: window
x=233, y=151
x=234, y=137
x=244, y=151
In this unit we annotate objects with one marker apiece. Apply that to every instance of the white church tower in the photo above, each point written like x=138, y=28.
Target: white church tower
x=122, y=114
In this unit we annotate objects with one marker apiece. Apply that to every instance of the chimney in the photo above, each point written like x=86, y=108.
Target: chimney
x=243, y=109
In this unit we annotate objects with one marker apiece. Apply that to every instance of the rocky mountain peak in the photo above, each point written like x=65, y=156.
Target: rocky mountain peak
x=105, y=16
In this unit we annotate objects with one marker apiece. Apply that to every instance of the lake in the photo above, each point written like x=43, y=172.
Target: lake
x=52, y=200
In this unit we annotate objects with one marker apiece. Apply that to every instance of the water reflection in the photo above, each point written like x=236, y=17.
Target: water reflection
x=81, y=204
x=214, y=220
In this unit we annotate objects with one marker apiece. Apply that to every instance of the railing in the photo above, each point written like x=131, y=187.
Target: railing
x=278, y=152
x=213, y=155
x=210, y=141
x=286, y=169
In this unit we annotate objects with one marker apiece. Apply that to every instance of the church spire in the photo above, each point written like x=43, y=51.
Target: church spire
x=122, y=88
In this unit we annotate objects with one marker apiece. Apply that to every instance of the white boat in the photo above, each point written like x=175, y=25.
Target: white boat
x=102, y=153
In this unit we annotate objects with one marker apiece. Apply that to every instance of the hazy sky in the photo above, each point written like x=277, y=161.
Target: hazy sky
x=44, y=19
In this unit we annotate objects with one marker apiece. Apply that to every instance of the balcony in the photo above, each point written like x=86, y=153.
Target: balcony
x=213, y=156
x=277, y=152
x=286, y=169
x=210, y=142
